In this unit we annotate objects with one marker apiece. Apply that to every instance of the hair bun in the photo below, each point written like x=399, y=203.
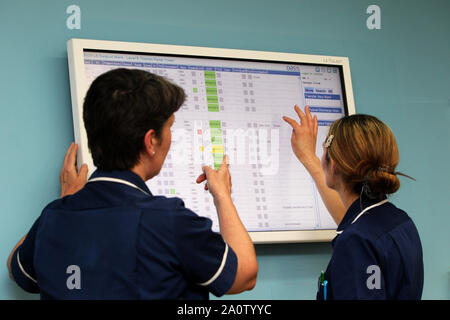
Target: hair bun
x=374, y=180
x=382, y=182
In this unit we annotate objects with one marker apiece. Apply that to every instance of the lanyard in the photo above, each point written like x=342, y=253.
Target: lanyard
x=118, y=181
x=364, y=211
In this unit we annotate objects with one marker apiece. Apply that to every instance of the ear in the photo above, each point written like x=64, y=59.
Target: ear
x=150, y=142
x=332, y=166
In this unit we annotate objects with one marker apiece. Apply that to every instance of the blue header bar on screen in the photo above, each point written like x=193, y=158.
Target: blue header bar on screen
x=322, y=96
x=325, y=109
x=188, y=67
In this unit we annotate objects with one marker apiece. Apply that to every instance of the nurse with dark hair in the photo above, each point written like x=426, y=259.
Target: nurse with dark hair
x=377, y=252
x=111, y=238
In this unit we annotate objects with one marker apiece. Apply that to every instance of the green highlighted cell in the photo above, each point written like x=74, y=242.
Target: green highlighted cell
x=172, y=191
x=218, y=157
x=195, y=90
x=211, y=90
x=212, y=99
x=217, y=140
x=213, y=107
x=216, y=132
x=210, y=74
x=210, y=83
x=214, y=124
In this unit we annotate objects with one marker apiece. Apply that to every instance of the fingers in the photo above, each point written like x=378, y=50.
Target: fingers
x=309, y=116
x=214, y=176
x=66, y=161
x=315, y=125
x=305, y=118
x=201, y=178
x=66, y=156
x=301, y=115
x=204, y=176
x=307, y=112
x=72, y=159
x=69, y=170
x=294, y=124
x=224, y=164
x=84, y=171
x=206, y=170
x=225, y=159
x=71, y=179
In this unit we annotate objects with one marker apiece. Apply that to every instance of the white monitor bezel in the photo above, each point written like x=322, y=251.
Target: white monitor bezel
x=78, y=88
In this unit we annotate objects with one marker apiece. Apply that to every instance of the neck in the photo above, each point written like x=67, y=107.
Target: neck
x=145, y=168
x=347, y=195
x=140, y=173
x=141, y=169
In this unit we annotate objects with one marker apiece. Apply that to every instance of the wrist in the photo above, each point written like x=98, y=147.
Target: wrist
x=313, y=166
x=222, y=198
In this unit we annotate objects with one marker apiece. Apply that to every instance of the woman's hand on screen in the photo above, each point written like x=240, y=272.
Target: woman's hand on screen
x=218, y=181
x=304, y=137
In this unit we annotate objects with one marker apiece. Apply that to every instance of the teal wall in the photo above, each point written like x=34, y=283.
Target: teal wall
x=400, y=74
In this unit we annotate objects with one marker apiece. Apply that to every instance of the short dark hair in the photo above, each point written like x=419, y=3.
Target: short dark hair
x=121, y=105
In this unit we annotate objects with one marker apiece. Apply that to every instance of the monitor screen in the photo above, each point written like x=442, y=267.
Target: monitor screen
x=234, y=106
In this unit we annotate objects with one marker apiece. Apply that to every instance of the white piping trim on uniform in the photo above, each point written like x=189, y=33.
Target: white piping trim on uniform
x=364, y=211
x=368, y=208
x=23, y=271
x=224, y=259
x=219, y=271
x=118, y=181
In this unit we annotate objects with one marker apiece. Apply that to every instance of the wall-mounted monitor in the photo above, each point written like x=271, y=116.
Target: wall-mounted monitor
x=234, y=106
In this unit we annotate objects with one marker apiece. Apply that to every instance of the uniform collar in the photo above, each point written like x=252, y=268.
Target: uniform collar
x=125, y=175
x=354, y=210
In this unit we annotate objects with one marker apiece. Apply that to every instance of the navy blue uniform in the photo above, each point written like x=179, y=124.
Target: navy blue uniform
x=115, y=240
x=376, y=255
